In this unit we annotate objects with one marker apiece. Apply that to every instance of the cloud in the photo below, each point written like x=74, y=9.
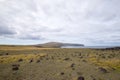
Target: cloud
x=6, y=31
x=82, y=21
x=30, y=37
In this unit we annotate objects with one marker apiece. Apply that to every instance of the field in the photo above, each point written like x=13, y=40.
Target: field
x=33, y=63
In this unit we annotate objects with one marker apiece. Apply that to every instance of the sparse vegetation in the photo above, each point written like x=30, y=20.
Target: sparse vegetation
x=20, y=57
x=32, y=63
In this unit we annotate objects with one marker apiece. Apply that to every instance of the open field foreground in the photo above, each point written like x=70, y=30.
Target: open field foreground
x=32, y=63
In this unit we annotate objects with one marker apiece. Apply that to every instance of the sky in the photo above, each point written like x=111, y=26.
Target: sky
x=88, y=22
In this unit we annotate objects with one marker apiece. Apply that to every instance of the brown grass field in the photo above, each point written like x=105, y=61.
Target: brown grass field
x=33, y=63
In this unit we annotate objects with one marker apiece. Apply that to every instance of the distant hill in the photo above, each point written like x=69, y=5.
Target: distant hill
x=56, y=45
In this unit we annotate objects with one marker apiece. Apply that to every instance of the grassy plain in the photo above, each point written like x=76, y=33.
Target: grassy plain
x=58, y=64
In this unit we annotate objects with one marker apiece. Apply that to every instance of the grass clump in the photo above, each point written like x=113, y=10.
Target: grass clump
x=113, y=63
x=24, y=57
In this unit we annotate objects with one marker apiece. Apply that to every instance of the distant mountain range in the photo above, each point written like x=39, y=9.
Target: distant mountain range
x=56, y=45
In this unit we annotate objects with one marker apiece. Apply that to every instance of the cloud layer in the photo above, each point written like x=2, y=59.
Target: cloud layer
x=84, y=21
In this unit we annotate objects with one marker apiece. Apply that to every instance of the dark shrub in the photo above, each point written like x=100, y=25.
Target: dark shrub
x=20, y=60
x=80, y=78
x=15, y=67
x=72, y=65
x=67, y=59
x=7, y=53
x=37, y=61
x=31, y=61
x=62, y=73
x=103, y=70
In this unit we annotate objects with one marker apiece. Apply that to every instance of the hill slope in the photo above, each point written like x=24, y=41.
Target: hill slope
x=57, y=44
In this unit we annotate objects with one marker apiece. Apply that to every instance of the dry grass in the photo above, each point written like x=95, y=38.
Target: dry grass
x=49, y=63
x=24, y=57
x=21, y=48
x=106, y=63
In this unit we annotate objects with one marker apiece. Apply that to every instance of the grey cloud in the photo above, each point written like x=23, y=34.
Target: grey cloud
x=30, y=37
x=6, y=30
x=87, y=21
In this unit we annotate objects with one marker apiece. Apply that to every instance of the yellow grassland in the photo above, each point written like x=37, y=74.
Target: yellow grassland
x=24, y=57
x=21, y=48
x=106, y=63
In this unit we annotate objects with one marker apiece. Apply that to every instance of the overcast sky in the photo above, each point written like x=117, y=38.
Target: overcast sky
x=90, y=22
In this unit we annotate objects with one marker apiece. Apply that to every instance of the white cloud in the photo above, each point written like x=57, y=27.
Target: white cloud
x=83, y=21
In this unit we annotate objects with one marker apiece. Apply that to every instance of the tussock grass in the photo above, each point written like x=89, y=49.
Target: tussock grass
x=106, y=63
x=25, y=57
